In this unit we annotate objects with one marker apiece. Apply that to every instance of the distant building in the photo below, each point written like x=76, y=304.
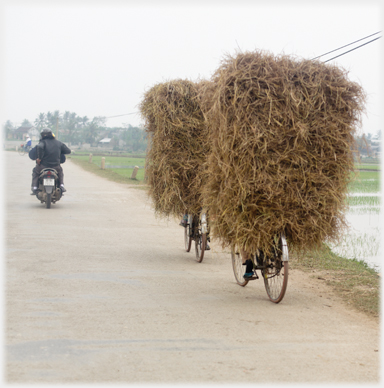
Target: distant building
x=21, y=133
x=105, y=142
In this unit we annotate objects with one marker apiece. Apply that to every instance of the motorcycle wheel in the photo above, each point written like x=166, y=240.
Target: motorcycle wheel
x=48, y=202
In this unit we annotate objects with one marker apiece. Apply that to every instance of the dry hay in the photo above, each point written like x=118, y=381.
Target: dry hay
x=281, y=137
x=177, y=146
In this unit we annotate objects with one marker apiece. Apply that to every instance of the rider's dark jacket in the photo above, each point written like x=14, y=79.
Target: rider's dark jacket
x=33, y=155
x=49, y=150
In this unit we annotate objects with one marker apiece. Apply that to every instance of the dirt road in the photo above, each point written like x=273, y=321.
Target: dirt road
x=99, y=290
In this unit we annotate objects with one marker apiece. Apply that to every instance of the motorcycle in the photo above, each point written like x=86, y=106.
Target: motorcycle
x=49, y=188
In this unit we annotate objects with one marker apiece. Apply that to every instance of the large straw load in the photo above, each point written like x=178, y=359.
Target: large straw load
x=281, y=136
x=177, y=147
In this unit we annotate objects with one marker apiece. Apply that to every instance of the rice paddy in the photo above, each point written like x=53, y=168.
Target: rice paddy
x=364, y=200
x=366, y=182
x=122, y=166
x=361, y=241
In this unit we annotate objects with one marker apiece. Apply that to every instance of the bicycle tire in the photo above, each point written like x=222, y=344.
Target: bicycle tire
x=21, y=151
x=200, y=244
x=187, y=238
x=238, y=267
x=275, y=272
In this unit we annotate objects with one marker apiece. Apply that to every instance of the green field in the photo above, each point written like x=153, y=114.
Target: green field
x=367, y=166
x=365, y=182
x=125, y=163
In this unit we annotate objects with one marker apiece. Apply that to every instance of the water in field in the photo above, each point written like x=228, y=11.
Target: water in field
x=362, y=240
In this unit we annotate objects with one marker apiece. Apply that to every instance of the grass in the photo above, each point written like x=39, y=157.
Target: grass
x=112, y=160
x=361, y=210
x=361, y=200
x=353, y=280
x=119, y=175
x=365, y=182
x=367, y=166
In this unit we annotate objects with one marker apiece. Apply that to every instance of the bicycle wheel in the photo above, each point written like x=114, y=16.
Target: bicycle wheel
x=200, y=244
x=275, y=272
x=187, y=238
x=238, y=267
x=21, y=151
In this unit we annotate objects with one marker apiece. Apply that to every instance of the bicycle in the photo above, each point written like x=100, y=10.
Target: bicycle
x=197, y=229
x=273, y=267
x=24, y=149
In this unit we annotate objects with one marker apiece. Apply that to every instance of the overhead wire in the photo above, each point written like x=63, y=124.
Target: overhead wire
x=329, y=52
x=359, y=40
x=125, y=114
x=337, y=56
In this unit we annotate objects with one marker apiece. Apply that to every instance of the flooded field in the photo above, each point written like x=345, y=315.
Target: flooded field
x=362, y=240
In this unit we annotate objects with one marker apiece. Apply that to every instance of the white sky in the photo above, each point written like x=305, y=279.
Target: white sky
x=97, y=58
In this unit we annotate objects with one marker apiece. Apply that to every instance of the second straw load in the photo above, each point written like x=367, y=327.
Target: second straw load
x=177, y=147
x=280, y=159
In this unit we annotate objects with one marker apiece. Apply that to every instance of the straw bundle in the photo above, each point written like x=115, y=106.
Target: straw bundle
x=177, y=142
x=281, y=137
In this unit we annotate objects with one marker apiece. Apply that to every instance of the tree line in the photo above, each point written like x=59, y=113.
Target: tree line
x=76, y=130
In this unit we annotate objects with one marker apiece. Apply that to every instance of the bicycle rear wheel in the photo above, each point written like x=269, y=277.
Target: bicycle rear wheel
x=275, y=272
x=187, y=238
x=238, y=267
x=200, y=244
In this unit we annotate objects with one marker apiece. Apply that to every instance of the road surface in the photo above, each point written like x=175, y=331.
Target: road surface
x=98, y=290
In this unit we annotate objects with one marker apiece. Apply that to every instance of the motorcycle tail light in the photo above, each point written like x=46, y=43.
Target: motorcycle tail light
x=49, y=173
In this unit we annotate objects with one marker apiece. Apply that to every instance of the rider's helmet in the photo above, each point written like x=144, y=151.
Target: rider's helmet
x=46, y=132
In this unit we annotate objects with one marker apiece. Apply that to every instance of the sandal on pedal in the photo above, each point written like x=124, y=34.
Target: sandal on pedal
x=250, y=276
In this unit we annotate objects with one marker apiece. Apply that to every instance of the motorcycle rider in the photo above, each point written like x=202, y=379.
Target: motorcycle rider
x=49, y=151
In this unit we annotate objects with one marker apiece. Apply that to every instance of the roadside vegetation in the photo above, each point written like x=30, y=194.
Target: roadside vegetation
x=120, y=174
x=353, y=280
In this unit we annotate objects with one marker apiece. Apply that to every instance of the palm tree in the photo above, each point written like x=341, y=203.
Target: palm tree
x=93, y=129
x=40, y=122
x=84, y=121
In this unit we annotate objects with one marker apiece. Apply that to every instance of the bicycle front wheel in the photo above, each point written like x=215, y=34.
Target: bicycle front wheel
x=275, y=272
x=238, y=267
x=21, y=151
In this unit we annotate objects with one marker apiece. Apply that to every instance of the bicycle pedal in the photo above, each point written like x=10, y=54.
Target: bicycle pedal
x=253, y=277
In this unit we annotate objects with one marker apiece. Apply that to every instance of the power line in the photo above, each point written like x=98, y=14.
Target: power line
x=352, y=49
x=347, y=45
x=359, y=40
x=125, y=114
